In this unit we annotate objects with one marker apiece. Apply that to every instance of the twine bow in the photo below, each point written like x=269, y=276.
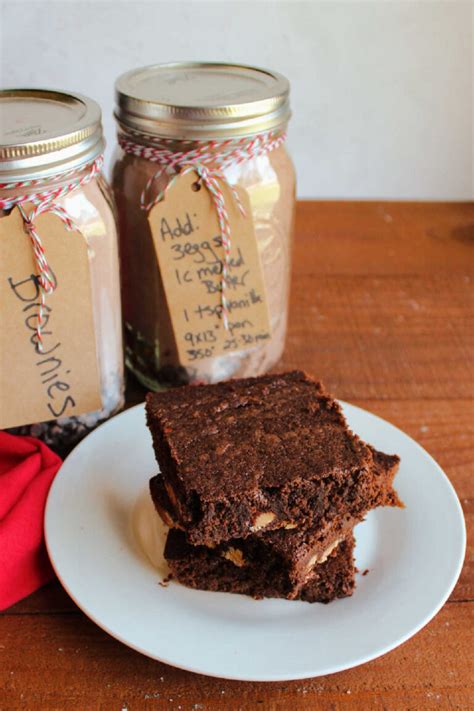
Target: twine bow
x=45, y=201
x=209, y=159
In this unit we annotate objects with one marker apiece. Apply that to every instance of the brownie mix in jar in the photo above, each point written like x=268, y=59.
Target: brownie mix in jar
x=61, y=354
x=197, y=143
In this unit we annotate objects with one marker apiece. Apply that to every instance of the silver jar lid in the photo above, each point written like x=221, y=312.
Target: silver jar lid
x=43, y=132
x=201, y=100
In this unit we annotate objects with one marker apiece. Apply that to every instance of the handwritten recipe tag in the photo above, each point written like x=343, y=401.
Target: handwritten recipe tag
x=188, y=246
x=63, y=380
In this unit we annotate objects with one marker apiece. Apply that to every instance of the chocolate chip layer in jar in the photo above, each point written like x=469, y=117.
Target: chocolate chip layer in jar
x=57, y=204
x=228, y=123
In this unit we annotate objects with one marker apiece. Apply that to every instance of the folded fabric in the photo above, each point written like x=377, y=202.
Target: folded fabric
x=27, y=468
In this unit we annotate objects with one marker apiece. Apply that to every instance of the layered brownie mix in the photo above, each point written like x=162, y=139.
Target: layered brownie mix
x=261, y=454
x=293, y=551
x=206, y=569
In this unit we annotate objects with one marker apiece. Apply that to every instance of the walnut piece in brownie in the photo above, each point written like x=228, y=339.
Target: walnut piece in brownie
x=206, y=569
x=260, y=454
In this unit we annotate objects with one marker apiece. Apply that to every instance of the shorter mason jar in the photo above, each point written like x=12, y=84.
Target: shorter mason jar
x=183, y=112
x=51, y=148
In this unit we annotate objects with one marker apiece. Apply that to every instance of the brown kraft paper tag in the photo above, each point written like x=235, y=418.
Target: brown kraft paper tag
x=188, y=245
x=64, y=380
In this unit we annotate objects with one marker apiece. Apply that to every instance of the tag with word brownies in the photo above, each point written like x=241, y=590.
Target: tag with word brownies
x=63, y=381
x=188, y=245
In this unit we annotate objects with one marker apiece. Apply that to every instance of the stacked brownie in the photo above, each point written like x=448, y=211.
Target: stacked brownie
x=261, y=483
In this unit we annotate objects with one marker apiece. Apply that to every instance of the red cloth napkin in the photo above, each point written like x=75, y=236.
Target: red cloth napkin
x=27, y=468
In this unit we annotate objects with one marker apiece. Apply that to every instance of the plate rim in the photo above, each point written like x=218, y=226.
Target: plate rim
x=278, y=677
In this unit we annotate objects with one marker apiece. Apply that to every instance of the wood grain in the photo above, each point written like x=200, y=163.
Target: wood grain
x=382, y=311
x=65, y=662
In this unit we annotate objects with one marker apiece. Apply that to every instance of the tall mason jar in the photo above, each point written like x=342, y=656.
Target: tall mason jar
x=186, y=109
x=51, y=147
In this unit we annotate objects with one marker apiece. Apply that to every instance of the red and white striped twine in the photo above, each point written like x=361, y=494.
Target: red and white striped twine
x=209, y=159
x=44, y=201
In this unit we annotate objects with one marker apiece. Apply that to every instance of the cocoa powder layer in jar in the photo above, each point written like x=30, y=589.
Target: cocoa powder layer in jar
x=150, y=348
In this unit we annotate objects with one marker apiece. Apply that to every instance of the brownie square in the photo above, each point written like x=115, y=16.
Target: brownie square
x=206, y=569
x=286, y=554
x=260, y=454
x=289, y=553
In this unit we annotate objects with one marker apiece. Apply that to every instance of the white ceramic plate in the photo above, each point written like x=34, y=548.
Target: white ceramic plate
x=98, y=521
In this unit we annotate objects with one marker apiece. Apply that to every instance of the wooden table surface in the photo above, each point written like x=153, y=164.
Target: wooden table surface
x=381, y=311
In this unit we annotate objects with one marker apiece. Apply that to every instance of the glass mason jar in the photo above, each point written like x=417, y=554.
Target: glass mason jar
x=51, y=140
x=182, y=106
